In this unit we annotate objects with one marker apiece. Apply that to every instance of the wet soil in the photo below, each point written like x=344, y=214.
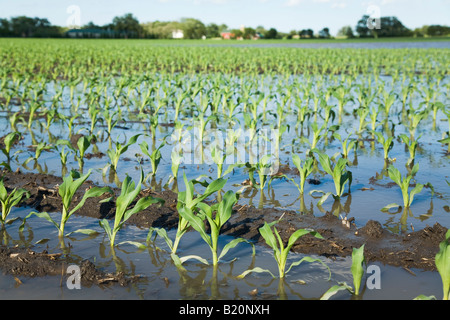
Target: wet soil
x=24, y=262
x=409, y=250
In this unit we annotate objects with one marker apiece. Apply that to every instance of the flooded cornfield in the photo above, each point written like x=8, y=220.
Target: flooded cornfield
x=163, y=171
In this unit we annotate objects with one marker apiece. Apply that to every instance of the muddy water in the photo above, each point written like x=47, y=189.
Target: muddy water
x=160, y=279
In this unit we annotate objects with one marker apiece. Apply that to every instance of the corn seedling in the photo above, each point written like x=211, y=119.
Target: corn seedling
x=155, y=156
x=387, y=143
x=280, y=251
x=8, y=201
x=114, y=154
x=263, y=168
x=411, y=144
x=9, y=141
x=128, y=195
x=347, y=145
x=216, y=216
x=357, y=268
x=442, y=261
x=341, y=176
x=71, y=183
x=304, y=171
x=187, y=200
x=403, y=183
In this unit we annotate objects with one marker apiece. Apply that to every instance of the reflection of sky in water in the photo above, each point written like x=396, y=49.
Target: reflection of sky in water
x=370, y=190
x=160, y=279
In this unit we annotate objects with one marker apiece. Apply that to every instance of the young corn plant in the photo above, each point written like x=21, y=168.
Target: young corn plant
x=262, y=168
x=10, y=139
x=442, y=261
x=280, y=251
x=8, y=201
x=357, y=268
x=341, y=176
x=114, y=154
x=411, y=144
x=155, y=155
x=347, y=145
x=188, y=201
x=71, y=183
x=387, y=143
x=83, y=144
x=304, y=171
x=403, y=183
x=216, y=216
x=124, y=211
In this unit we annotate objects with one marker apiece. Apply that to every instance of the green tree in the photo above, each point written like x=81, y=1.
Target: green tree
x=271, y=33
x=212, y=30
x=324, y=33
x=306, y=33
x=192, y=28
x=346, y=31
x=127, y=26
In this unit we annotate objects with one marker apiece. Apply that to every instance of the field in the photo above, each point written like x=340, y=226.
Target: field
x=306, y=162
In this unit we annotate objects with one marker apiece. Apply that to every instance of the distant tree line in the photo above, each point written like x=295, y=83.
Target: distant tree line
x=128, y=26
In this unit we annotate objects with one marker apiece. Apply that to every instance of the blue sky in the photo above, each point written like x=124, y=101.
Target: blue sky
x=284, y=15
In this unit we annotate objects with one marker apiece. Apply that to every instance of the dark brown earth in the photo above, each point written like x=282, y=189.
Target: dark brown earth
x=411, y=250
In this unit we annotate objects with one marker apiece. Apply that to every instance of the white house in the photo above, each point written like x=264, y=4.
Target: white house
x=177, y=34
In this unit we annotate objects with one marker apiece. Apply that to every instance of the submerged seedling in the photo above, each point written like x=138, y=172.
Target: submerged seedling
x=387, y=143
x=403, y=183
x=272, y=237
x=129, y=193
x=341, y=176
x=357, y=268
x=187, y=200
x=10, y=139
x=114, y=154
x=442, y=261
x=8, y=201
x=216, y=216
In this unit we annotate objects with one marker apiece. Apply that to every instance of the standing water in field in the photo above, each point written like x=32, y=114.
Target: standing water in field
x=253, y=116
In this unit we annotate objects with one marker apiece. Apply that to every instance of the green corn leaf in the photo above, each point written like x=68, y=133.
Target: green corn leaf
x=390, y=206
x=233, y=243
x=267, y=234
x=43, y=215
x=196, y=223
x=141, y=205
x=91, y=193
x=417, y=189
x=134, y=243
x=395, y=175
x=163, y=234
x=105, y=225
x=257, y=270
x=335, y=289
x=357, y=267
x=442, y=260
x=310, y=260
